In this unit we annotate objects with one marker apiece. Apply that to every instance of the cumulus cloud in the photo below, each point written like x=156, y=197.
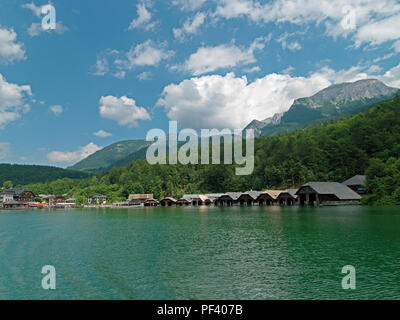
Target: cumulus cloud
x=208, y=59
x=123, y=110
x=37, y=10
x=190, y=26
x=188, y=5
x=144, y=16
x=35, y=29
x=56, y=110
x=102, y=134
x=10, y=49
x=4, y=150
x=12, y=101
x=215, y=101
x=374, y=22
x=146, y=54
x=73, y=156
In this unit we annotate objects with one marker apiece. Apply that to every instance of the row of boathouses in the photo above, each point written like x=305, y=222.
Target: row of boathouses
x=311, y=193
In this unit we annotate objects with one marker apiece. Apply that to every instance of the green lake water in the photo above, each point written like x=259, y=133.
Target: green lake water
x=201, y=253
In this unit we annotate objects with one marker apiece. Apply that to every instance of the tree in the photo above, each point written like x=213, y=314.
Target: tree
x=8, y=184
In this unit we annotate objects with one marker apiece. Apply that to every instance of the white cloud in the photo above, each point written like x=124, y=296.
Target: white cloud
x=101, y=67
x=144, y=16
x=375, y=22
x=292, y=45
x=188, y=5
x=216, y=101
x=102, y=134
x=190, y=26
x=391, y=77
x=146, y=54
x=146, y=75
x=4, y=150
x=380, y=31
x=10, y=49
x=12, y=101
x=123, y=110
x=208, y=59
x=396, y=46
x=37, y=10
x=56, y=109
x=73, y=156
x=36, y=29
x=253, y=69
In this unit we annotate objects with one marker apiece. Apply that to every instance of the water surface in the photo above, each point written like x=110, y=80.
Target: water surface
x=201, y=253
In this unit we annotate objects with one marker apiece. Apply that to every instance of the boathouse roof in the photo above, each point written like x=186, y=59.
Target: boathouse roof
x=272, y=193
x=358, y=180
x=252, y=194
x=340, y=190
x=232, y=195
x=291, y=192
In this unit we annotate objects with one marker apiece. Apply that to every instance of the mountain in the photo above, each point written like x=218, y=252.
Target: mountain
x=26, y=174
x=336, y=101
x=107, y=157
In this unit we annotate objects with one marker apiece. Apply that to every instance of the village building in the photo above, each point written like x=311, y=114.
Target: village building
x=326, y=193
x=13, y=205
x=168, y=201
x=60, y=199
x=136, y=199
x=288, y=197
x=229, y=199
x=357, y=184
x=20, y=194
x=249, y=198
x=71, y=200
x=6, y=196
x=49, y=200
x=151, y=203
x=268, y=197
x=98, y=199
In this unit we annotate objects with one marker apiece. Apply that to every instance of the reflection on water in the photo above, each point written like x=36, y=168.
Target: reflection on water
x=201, y=253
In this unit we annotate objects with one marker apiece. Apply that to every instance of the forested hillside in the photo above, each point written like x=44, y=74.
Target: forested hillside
x=328, y=152
x=25, y=174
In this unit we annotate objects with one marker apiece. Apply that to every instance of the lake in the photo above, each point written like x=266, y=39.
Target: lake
x=201, y=253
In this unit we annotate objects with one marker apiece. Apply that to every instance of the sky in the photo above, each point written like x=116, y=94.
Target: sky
x=113, y=70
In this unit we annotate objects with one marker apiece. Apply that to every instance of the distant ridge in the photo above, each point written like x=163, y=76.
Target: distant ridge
x=333, y=102
x=105, y=158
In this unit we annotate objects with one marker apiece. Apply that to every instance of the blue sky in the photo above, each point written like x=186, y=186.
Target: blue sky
x=112, y=70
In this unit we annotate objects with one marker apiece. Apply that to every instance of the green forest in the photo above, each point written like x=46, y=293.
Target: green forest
x=367, y=143
x=26, y=174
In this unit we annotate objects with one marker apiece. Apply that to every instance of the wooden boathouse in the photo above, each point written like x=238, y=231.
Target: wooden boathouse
x=326, y=193
x=288, y=197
